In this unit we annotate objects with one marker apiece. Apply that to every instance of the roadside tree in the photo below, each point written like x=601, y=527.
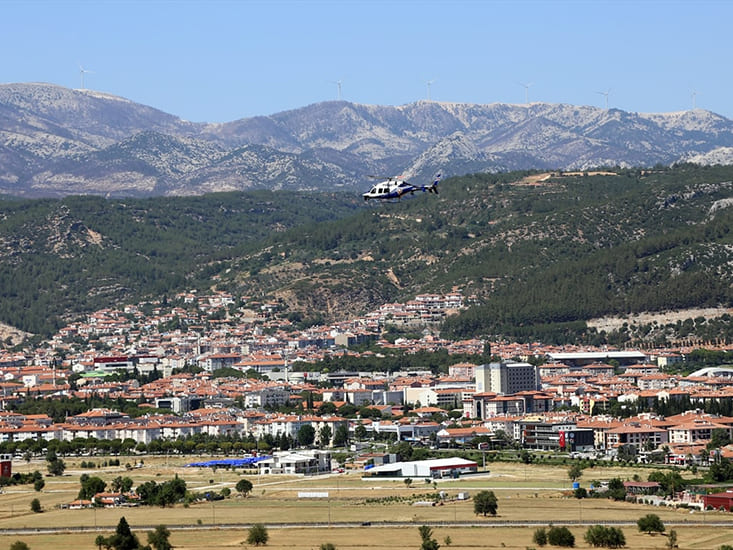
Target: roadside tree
x=650, y=523
x=575, y=472
x=258, y=535
x=56, y=467
x=426, y=535
x=244, y=487
x=159, y=538
x=607, y=537
x=124, y=538
x=560, y=536
x=540, y=536
x=484, y=503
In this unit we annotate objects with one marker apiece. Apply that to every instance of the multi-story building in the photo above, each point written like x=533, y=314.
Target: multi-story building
x=507, y=378
x=555, y=436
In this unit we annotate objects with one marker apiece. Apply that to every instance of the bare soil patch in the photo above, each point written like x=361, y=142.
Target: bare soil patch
x=610, y=324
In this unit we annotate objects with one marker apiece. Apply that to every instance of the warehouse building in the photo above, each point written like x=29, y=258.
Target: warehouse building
x=719, y=501
x=428, y=469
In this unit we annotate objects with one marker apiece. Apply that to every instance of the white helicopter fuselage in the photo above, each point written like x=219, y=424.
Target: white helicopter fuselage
x=394, y=188
x=389, y=189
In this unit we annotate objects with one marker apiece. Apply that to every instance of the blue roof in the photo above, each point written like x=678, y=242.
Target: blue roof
x=247, y=461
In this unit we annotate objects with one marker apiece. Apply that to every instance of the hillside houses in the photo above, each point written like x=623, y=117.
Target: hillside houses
x=424, y=309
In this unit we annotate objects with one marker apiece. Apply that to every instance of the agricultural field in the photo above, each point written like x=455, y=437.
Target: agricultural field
x=371, y=538
x=526, y=493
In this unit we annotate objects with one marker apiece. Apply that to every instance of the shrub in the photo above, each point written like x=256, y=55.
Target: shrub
x=258, y=534
x=560, y=536
x=608, y=537
x=540, y=536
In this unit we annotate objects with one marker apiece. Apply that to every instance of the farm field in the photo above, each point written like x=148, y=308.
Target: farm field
x=379, y=538
x=533, y=493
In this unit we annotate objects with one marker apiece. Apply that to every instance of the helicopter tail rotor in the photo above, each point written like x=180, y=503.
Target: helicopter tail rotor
x=433, y=187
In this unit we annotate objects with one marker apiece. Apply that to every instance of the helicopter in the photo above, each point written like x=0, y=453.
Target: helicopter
x=394, y=188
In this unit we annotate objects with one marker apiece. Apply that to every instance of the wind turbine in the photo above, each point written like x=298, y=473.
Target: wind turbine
x=338, y=86
x=526, y=91
x=694, y=99
x=605, y=94
x=429, y=83
x=82, y=71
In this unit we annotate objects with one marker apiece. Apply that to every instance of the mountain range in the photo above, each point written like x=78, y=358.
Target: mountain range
x=56, y=141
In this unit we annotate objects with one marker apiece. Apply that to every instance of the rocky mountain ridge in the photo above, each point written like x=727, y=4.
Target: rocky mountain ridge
x=56, y=141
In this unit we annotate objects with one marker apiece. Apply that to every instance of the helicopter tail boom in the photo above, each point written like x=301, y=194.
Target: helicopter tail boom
x=433, y=187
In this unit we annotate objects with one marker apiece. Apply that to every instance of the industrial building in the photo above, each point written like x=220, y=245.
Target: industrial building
x=719, y=501
x=428, y=469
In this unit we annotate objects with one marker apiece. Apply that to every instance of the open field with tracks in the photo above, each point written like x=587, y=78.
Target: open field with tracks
x=380, y=539
x=526, y=494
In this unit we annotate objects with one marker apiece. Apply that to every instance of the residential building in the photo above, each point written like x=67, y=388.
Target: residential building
x=507, y=378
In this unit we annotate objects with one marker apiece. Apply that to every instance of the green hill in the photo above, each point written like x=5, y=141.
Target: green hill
x=61, y=258
x=538, y=254
x=539, y=257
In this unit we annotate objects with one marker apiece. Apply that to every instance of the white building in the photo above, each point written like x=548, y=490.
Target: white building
x=507, y=378
x=301, y=462
x=428, y=469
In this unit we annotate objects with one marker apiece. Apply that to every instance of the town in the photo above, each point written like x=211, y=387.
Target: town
x=619, y=403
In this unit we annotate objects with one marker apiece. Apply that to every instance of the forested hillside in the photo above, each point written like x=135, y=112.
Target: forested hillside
x=59, y=258
x=539, y=254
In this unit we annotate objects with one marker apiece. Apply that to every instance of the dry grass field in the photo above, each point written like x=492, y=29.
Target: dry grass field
x=525, y=493
x=462, y=538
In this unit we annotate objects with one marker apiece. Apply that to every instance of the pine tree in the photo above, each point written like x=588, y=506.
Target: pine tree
x=124, y=538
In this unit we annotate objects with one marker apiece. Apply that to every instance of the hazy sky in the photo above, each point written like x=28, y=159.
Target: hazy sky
x=221, y=60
